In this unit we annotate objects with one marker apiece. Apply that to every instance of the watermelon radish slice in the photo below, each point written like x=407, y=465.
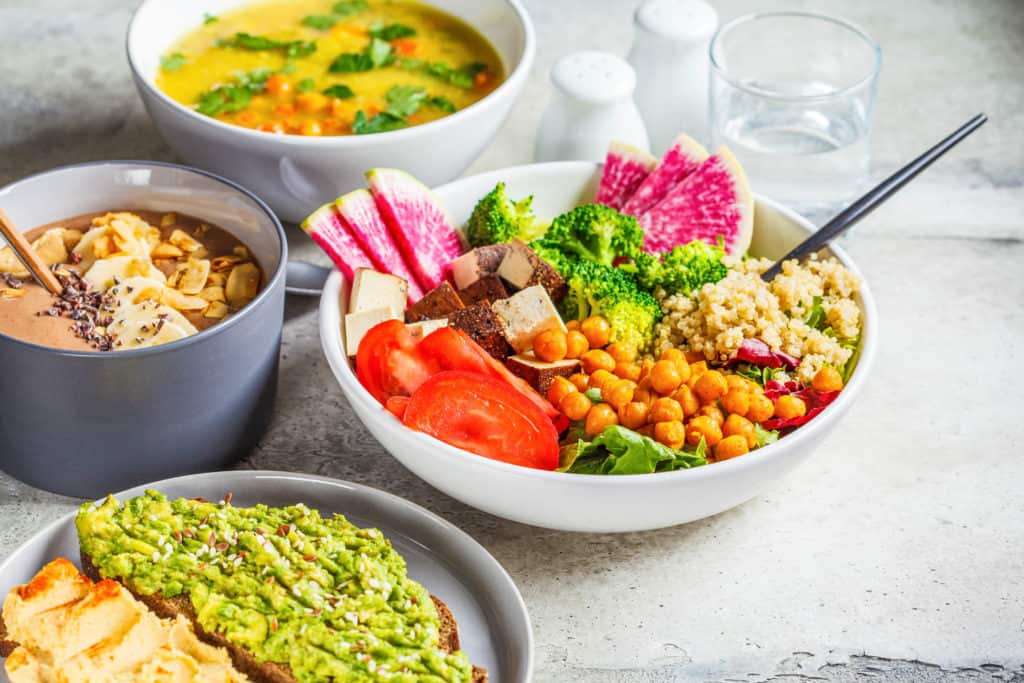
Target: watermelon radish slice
x=364, y=221
x=714, y=201
x=329, y=231
x=418, y=224
x=625, y=167
x=681, y=159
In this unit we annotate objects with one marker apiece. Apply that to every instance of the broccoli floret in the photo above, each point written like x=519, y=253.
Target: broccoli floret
x=496, y=219
x=596, y=233
x=682, y=270
x=596, y=289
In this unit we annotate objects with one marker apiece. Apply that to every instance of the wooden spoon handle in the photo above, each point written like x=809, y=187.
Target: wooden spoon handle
x=28, y=256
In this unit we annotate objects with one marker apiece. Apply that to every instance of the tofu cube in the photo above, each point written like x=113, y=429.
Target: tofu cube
x=538, y=373
x=372, y=289
x=487, y=289
x=439, y=302
x=526, y=314
x=481, y=323
x=476, y=263
x=522, y=268
x=358, y=324
x=423, y=328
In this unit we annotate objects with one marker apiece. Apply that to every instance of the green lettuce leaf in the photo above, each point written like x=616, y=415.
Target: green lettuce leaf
x=618, y=450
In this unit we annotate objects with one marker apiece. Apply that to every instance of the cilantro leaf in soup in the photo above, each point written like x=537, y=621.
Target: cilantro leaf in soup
x=380, y=123
x=405, y=100
x=342, y=92
x=209, y=18
x=289, y=67
x=248, y=41
x=351, y=62
x=462, y=77
x=321, y=22
x=305, y=85
x=232, y=97
x=442, y=103
x=173, y=61
x=391, y=32
x=346, y=8
x=618, y=450
x=380, y=52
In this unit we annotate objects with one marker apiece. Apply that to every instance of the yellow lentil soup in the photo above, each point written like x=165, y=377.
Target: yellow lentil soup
x=318, y=67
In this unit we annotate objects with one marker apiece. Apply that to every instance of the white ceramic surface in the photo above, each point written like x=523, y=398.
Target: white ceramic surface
x=592, y=503
x=494, y=627
x=295, y=174
x=591, y=105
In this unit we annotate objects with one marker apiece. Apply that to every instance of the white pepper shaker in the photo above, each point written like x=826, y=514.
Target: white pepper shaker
x=592, y=106
x=670, y=56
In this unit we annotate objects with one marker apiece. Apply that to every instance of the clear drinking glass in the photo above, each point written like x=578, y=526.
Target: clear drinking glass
x=791, y=94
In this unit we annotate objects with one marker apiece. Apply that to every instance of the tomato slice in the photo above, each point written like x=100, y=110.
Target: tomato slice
x=486, y=416
x=388, y=362
x=396, y=405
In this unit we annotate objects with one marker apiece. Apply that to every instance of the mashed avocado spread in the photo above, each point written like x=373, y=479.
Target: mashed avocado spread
x=327, y=598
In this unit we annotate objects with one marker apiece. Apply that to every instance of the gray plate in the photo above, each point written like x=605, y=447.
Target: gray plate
x=493, y=624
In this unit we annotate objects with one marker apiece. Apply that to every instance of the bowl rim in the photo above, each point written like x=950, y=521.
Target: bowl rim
x=273, y=281
x=508, y=88
x=330, y=338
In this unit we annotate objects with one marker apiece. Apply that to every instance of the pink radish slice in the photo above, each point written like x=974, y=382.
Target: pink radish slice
x=714, y=201
x=360, y=213
x=681, y=159
x=625, y=167
x=417, y=223
x=329, y=231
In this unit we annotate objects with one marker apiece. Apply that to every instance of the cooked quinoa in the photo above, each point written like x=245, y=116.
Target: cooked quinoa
x=718, y=317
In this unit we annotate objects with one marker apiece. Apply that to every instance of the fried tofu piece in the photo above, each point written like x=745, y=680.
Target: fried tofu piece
x=486, y=290
x=439, y=302
x=522, y=268
x=538, y=373
x=482, y=324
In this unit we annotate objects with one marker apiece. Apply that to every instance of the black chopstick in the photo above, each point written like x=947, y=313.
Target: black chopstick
x=876, y=196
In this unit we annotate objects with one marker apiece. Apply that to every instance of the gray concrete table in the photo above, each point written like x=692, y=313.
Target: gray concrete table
x=897, y=553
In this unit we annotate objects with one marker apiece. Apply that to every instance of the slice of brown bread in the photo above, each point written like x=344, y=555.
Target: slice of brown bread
x=266, y=672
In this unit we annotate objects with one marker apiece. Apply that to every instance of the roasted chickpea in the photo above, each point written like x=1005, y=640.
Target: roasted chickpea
x=735, y=425
x=665, y=409
x=674, y=355
x=618, y=393
x=736, y=401
x=761, y=408
x=646, y=430
x=573, y=325
x=622, y=353
x=687, y=400
x=788, y=407
x=644, y=395
x=627, y=370
x=560, y=386
x=550, y=345
x=702, y=427
x=670, y=433
x=575, y=344
x=696, y=370
x=731, y=447
x=599, y=378
x=597, y=331
x=596, y=359
x=827, y=379
x=574, y=405
x=665, y=377
x=312, y=102
x=736, y=382
x=582, y=382
x=712, y=411
x=600, y=416
x=710, y=386
x=633, y=415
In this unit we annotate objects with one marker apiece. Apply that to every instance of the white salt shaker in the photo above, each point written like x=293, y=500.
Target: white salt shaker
x=592, y=106
x=670, y=56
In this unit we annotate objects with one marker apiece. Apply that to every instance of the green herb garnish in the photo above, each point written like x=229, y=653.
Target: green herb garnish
x=321, y=22
x=391, y=32
x=404, y=100
x=442, y=103
x=342, y=92
x=248, y=41
x=305, y=85
x=289, y=67
x=348, y=7
x=378, y=53
x=173, y=61
x=380, y=123
x=462, y=77
x=209, y=18
x=235, y=96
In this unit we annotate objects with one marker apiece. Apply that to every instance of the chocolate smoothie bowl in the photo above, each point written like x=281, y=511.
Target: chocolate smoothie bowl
x=160, y=355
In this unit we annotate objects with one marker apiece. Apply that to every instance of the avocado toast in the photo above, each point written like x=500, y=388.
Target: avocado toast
x=293, y=596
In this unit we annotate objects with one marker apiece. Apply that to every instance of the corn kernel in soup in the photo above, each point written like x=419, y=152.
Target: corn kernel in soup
x=317, y=67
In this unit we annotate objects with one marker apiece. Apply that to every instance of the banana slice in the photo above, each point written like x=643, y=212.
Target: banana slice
x=105, y=272
x=139, y=319
x=116, y=234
